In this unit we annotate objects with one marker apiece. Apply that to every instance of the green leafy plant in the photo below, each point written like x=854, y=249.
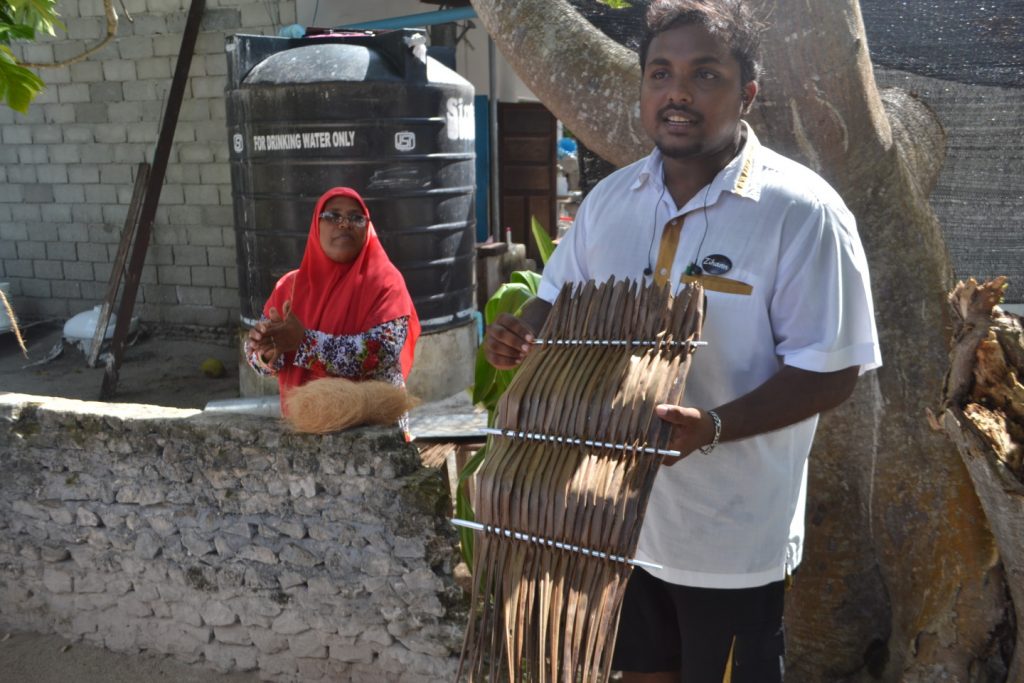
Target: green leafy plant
x=23, y=20
x=615, y=4
x=489, y=383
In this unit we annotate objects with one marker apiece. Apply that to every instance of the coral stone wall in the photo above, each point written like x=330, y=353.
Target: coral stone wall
x=226, y=541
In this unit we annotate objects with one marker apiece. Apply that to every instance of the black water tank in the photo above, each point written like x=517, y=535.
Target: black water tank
x=368, y=111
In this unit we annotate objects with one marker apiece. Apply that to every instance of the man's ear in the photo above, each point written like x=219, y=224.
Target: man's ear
x=748, y=94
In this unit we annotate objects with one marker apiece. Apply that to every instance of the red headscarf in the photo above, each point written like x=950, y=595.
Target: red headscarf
x=343, y=298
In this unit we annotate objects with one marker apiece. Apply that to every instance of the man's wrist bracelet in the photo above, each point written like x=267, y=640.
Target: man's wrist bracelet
x=718, y=433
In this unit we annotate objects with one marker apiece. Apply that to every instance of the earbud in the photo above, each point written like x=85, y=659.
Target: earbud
x=648, y=272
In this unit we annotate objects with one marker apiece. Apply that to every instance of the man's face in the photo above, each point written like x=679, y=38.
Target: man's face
x=691, y=97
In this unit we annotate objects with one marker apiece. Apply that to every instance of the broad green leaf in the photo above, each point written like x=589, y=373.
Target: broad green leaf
x=39, y=14
x=509, y=298
x=18, y=85
x=9, y=32
x=463, y=508
x=528, y=278
x=543, y=241
x=483, y=377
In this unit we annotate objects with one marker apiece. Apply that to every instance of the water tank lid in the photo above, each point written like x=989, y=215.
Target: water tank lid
x=322, y=63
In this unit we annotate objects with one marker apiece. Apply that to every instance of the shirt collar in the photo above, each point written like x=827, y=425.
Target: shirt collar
x=741, y=176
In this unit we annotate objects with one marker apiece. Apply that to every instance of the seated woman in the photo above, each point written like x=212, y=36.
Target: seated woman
x=344, y=313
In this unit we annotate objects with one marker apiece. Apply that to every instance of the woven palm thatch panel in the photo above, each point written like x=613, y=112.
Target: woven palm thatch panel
x=547, y=614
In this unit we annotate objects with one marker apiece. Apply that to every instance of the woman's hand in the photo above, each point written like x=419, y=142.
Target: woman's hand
x=277, y=335
x=284, y=330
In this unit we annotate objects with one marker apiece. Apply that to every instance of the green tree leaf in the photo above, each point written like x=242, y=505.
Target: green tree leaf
x=9, y=32
x=509, y=298
x=527, y=278
x=18, y=85
x=540, y=237
x=615, y=4
x=41, y=15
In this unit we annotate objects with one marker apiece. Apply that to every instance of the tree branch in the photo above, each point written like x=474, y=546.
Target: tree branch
x=111, y=14
x=587, y=80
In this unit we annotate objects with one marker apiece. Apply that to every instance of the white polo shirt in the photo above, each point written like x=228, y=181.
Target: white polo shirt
x=735, y=518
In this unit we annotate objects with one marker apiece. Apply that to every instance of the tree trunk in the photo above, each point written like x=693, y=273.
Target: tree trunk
x=901, y=579
x=983, y=414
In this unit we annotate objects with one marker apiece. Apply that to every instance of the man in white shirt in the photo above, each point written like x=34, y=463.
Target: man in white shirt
x=786, y=342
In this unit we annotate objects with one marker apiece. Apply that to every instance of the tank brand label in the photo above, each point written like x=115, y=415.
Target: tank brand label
x=321, y=139
x=405, y=141
x=460, y=119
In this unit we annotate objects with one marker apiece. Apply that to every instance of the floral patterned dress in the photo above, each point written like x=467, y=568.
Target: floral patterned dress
x=371, y=355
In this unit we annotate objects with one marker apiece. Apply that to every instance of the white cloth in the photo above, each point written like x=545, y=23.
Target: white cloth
x=734, y=518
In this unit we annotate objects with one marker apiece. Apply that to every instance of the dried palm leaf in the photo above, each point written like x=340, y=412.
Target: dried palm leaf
x=542, y=612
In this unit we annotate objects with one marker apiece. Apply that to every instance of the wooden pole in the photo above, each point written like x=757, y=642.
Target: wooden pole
x=131, y=226
x=152, y=196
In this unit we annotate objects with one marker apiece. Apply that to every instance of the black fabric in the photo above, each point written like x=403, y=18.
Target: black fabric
x=665, y=627
x=956, y=40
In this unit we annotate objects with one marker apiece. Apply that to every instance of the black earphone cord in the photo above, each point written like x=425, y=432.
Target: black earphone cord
x=693, y=268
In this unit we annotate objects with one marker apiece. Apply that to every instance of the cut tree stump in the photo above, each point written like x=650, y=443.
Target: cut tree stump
x=983, y=414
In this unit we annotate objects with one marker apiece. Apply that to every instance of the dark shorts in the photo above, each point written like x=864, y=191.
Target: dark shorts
x=665, y=627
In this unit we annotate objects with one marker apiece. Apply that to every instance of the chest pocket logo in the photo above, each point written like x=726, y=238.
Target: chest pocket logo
x=716, y=264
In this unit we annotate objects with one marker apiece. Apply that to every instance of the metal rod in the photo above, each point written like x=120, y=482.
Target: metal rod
x=572, y=441
x=528, y=538
x=616, y=342
x=443, y=16
x=494, y=190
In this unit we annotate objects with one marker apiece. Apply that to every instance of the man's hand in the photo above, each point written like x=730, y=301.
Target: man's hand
x=509, y=338
x=785, y=398
x=507, y=342
x=691, y=429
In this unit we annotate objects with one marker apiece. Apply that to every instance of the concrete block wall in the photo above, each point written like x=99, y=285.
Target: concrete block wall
x=67, y=167
x=227, y=542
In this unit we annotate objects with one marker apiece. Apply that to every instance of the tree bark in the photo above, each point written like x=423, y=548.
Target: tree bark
x=901, y=579
x=983, y=414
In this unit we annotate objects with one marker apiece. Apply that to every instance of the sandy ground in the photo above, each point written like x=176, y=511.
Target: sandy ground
x=33, y=658
x=162, y=371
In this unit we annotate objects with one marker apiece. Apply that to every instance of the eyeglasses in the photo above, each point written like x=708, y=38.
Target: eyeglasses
x=356, y=220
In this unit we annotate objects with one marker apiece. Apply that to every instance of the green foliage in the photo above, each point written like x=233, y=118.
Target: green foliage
x=18, y=85
x=615, y=4
x=489, y=383
x=540, y=236
x=23, y=20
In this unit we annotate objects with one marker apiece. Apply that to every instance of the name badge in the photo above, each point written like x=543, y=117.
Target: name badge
x=716, y=264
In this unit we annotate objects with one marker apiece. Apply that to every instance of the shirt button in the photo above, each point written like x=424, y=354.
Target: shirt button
x=663, y=271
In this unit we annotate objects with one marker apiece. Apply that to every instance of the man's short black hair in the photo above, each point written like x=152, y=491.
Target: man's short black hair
x=731, y=20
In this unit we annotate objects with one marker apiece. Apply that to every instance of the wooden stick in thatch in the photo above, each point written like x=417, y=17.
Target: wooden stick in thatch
x=983, y=414
x=434, y=455
x=331, y=404
x=543, y=613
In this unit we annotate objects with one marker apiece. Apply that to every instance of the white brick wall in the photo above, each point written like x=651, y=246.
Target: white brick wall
x=67, y=167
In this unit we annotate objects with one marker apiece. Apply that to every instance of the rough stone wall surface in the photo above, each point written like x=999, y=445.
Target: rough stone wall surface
x=226, y=541
x=67, y=167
